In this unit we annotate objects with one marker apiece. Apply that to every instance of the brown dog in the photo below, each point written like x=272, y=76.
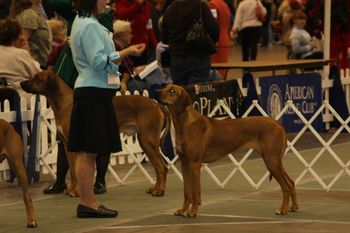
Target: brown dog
x=11, y=147
x=135, y=114
x=200, y=139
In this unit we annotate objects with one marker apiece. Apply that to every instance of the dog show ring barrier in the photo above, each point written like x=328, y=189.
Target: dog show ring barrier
x=132, y=153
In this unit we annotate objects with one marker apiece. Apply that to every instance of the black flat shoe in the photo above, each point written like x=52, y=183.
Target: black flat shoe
x=55, y=188
x=105, y=208
x=99, y=188
x=100, y=212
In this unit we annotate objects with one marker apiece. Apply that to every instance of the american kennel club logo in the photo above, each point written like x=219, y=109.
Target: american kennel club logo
x=304, y=90
x=274, y=101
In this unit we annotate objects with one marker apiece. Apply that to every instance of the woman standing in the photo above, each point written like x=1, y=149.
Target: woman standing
x=248, y=25
x=189, y=65
x=93, y=127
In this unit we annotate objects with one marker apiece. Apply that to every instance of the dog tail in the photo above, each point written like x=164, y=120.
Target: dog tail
x=167, y=121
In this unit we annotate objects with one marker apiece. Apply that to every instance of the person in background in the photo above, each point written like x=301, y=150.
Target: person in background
x=94, y=127
x=265, y=31
x=189, y=65
x=163, y=55
x=59, y=39
x=138, y=12
x=157, y=8
x=34, y=28
x=288, y=8
x=248, y=26
x=302, y=45
x=222, y=14
x=122, y=38
x=130, y=74
x=16, y=63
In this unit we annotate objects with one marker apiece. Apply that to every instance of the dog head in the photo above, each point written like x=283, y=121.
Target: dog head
x=174, y=95
x=43, y=83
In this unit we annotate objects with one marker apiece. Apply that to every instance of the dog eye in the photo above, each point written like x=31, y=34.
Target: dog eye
x=171, y=91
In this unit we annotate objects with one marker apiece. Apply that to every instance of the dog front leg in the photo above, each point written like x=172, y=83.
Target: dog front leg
x=187, y=187
x=73, y=189
x=194, y=168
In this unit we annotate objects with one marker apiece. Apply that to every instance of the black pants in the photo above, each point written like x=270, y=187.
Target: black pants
x=249, y=42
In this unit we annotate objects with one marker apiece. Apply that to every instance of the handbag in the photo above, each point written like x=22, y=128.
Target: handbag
x=65, y=68
x=259, y=12
x=198, y=37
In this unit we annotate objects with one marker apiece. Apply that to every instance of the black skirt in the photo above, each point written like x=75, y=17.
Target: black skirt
x=93, y=126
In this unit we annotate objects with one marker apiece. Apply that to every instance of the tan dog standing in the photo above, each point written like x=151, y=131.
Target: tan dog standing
x=135, y=114
x=11, y=147
x=200, y=139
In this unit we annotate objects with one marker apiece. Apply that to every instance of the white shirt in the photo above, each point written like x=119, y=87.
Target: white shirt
x=246, y=15
x=17, y=65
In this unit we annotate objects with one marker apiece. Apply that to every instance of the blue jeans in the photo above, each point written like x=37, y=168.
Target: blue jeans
x=186, y=70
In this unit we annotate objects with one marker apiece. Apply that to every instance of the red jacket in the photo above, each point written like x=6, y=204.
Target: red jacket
x=139, y=14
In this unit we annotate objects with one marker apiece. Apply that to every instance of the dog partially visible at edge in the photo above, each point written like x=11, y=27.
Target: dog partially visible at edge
x=135, y=114
x=199, y=139
x=11, y=147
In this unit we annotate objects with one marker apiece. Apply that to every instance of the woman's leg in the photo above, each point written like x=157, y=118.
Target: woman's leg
x=245, y=42
x=85, y=170
x=254, y=40
x=88, y=206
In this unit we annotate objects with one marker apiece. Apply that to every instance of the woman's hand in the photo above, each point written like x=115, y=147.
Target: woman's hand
x=233, y=34
x=136, y=49
x=132, y=50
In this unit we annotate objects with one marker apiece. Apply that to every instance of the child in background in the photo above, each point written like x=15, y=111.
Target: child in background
x=58, y=31
x=302, y=44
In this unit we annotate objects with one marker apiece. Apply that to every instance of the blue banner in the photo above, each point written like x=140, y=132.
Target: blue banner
x=306, y=92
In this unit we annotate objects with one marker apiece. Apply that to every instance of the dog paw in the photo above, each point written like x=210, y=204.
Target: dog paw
x=293, y=209
x=190, y=215
x=179, y=212
x=155, y=192
x=158, y=193
x=71, y=193
x=281, y=212
x=32, y=224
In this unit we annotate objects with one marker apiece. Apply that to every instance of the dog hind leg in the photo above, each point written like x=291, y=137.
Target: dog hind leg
x=151, y=148
x=274, y=165
x=294, y=207
x=15, y=153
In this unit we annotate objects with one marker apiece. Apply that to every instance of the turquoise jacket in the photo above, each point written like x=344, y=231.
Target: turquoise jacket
x=93, y=51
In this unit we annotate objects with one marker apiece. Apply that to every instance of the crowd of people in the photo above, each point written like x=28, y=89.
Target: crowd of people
x=98, y=47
